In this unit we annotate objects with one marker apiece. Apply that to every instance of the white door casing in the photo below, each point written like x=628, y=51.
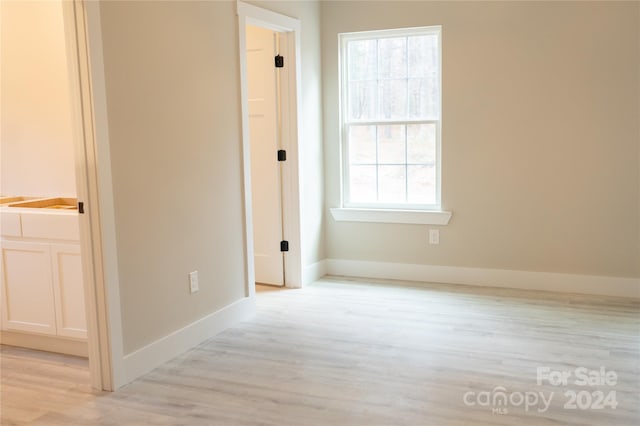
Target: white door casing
x=93, y=176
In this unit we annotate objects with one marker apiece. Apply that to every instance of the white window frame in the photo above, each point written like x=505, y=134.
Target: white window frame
x=387, y=212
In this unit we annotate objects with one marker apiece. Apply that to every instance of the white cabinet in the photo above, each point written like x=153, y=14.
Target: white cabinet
x=27, y=288
x=41, y=287
x=68, y=290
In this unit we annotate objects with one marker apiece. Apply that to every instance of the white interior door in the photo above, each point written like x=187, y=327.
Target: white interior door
x=266, y=179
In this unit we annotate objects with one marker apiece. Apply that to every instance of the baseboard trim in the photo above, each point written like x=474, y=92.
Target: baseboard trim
x=157, y=353
x=525, y=280
x=314, y=272
x=59, y=345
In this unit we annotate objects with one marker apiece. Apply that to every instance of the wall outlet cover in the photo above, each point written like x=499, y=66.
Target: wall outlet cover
x=434, y=236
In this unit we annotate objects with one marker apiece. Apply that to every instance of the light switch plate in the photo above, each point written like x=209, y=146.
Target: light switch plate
x=193, y=282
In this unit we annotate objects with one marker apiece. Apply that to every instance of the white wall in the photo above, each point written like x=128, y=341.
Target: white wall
x=540, y=136
x=36, y=144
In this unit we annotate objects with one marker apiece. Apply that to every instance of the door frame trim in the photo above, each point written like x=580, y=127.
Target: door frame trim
x=93, y=179
x=291, y=191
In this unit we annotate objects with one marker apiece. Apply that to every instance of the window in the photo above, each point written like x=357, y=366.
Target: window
x=390, y=112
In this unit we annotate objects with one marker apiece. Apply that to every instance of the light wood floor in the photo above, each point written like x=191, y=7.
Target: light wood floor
x=352, y=353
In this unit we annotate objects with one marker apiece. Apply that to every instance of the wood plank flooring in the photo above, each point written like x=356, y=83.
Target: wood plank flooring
x=348, y=352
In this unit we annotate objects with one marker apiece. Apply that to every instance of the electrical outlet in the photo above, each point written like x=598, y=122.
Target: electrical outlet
x=193, y=282
x=434, y=236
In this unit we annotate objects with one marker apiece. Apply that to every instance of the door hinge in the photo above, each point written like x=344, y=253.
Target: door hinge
x=282, y=155
x=279, y=61
x=80, y=207
x=284, y=245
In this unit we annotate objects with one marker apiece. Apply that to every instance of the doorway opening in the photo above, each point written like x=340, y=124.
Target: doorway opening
x=268, y=156
x=57, y=313
x=269, y=71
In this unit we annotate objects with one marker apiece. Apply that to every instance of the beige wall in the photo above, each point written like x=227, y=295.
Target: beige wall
x=540, y=136
x=173, y=100
x=36, y=140
x=311, y=145
x=172, y=86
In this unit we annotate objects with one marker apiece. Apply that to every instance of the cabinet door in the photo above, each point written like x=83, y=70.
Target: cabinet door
x=68, y=290
x=27, y=287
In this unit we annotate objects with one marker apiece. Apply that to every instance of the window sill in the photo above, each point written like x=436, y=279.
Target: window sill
x=420, y=217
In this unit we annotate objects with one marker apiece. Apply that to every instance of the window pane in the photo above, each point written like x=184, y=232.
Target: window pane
x=393, y=76
x=423, y=98
x=362, y=145
x=423, y=55
x=421, y=184
x=421, y=143
x=363, y=58
x=362, y=184
x=393, y=99
x=391, y=184
x=418, y=98
x=392, y=57
x=362, y=99
x=391, y=144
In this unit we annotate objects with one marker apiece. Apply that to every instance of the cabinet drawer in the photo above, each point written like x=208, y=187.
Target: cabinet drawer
x=50, y=226
x=10, y=224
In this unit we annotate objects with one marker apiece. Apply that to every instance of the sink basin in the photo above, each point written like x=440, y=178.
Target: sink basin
x=49, y=203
